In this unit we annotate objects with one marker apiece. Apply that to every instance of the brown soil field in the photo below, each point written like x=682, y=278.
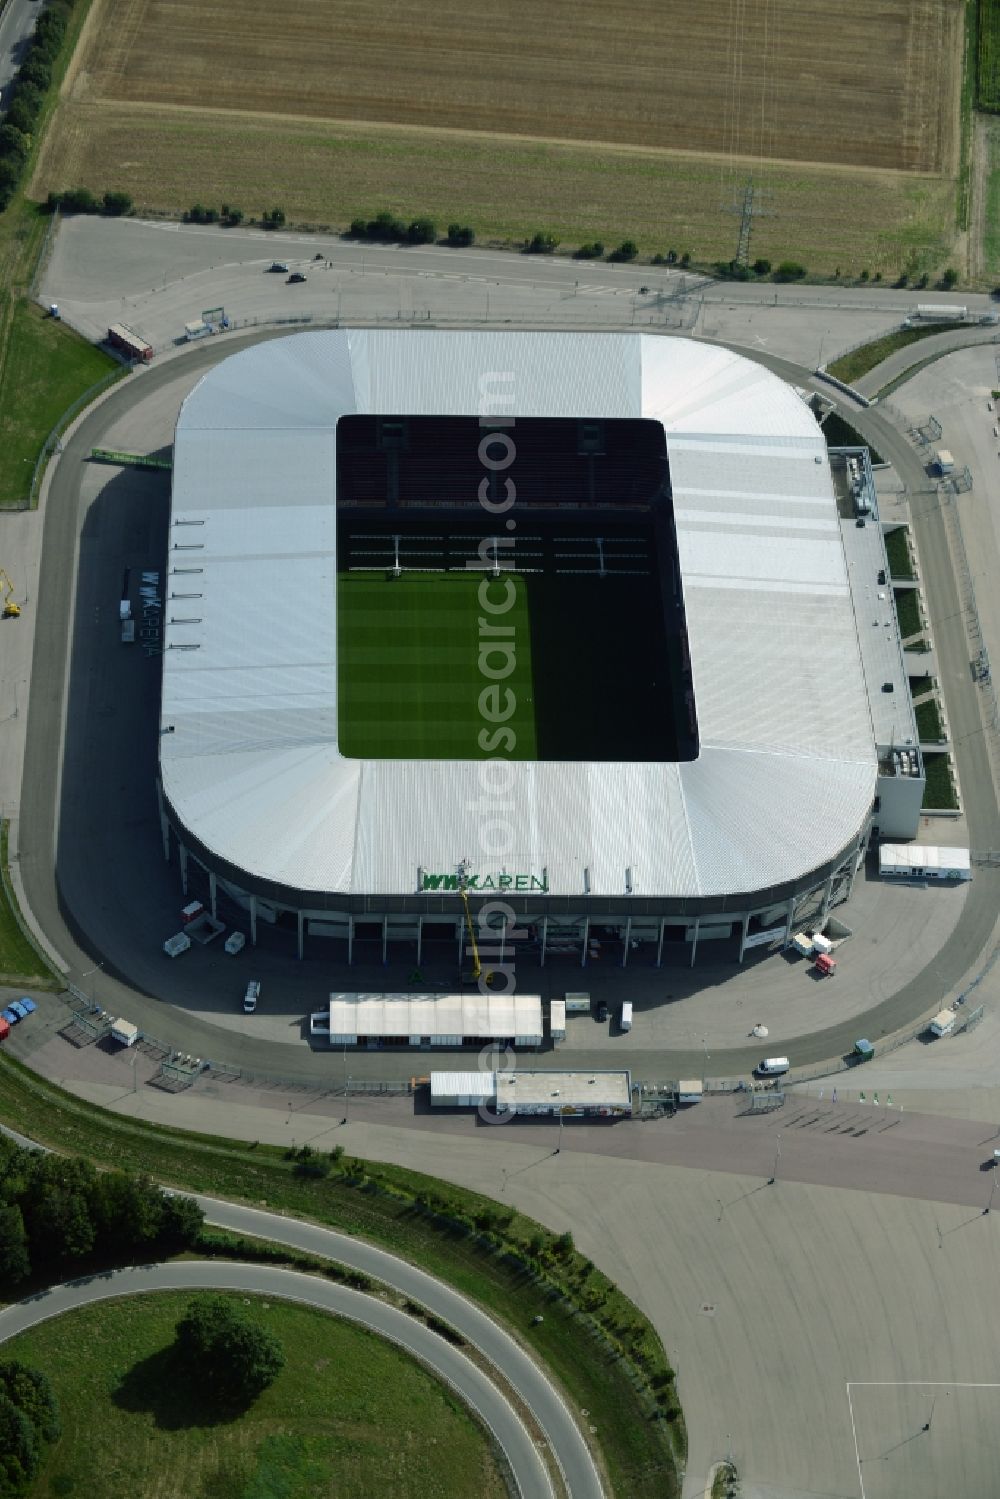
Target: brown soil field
x=592, y=119
x=847, y=82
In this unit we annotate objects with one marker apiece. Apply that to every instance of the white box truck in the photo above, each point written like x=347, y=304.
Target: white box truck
x=822, y=944
x=625, y=1018
x=578, y=1004
x=943, y=1023
x=803, y=944
x=690, y=1090
x=557, y=1019
x=175, y=945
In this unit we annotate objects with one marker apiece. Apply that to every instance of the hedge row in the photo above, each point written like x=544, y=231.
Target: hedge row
x=30, y=86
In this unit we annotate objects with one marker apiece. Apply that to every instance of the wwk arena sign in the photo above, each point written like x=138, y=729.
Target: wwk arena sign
x=521, y=884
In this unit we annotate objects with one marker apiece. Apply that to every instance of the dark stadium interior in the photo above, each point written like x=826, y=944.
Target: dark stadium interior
x=582, y=510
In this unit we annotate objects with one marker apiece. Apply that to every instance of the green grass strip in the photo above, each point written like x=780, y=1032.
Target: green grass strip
x=850, y=367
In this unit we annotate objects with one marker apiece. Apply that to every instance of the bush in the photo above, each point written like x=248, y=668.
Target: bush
x=199, y=214
x=422, y=232
x=627, y=250
x=74, y=200
x=231, y=216
x=358, y=229
x=117, y=204
x=230, y=1357
x=36, y=70
x=686, y=259
x=21, y=116
x=762, y=267
x=949, y=278
x=864, y=275
x=592, y=251
x=789, y=270
x=541, y=243
x=385, y=228
x=460, y=236
x=14, y=144
x=273, y=218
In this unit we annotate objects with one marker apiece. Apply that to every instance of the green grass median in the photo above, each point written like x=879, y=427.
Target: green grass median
x=349, y=1415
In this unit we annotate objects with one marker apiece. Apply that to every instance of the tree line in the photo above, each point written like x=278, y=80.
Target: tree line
x=31, y=84
x=57, y=1213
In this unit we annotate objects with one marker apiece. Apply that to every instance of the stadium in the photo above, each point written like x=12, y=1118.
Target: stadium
x=564, y=624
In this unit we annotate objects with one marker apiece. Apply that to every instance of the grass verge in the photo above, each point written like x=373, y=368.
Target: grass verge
x=44, y=367
x=939, y=793
x=991, y=227
x=929, y=723
x=349, y=1415
x=19, y=961
x=850, y=367
x=898, y=552
x=988, y=57
x=907, y=611
x=604, y=1352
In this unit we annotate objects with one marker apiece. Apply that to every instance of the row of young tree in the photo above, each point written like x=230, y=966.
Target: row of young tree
x=57, y=1212
x=32, y=83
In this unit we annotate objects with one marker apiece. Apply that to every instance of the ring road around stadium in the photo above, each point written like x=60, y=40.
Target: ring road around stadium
x=590, y=627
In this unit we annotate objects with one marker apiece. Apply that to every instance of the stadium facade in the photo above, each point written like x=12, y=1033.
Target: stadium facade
x=760, y=829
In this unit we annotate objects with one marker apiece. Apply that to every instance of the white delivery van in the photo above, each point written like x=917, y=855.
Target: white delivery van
x=943, y=1023
x=625, y=1018
x=773, y=1066
x=235, y=943
x=803, y=944
x=822, y=944
x=251, y=997
x=178, y=943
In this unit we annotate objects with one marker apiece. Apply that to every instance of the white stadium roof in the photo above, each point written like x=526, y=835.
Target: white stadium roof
x=786, y=771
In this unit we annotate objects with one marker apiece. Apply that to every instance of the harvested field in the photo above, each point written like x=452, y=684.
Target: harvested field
x=853, y=83
x=593, y=119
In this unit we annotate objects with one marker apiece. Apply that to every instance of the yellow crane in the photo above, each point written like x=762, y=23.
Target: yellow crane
x=477, y=967
x=11, y=610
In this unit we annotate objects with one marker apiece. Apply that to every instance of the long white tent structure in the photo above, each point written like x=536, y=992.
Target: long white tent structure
x=776, y=803
x=378, y=1020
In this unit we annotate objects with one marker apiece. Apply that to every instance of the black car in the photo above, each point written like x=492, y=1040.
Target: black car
x=278, y=265
x=297, y=276
x=602, y=1012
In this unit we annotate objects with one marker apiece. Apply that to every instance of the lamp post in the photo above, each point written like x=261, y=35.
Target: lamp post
x=777, y=1155
x=96, y=969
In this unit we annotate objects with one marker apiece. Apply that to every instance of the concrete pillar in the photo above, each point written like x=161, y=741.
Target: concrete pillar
x=183, y=856
x=825, y=906
x=545, y=937
x=213, y=894
x=586, y=943
x=694, y=944
x=461, y=946
x=164, y=824
x=790, y=919
x=253, y=920
x=743, y=935
x=385, y=940
x=659, y=945
x=420, y=939
x=300, y=922
x=628, y=938
x=350, y=941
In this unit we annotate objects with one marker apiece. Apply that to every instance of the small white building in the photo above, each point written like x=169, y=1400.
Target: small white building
x=906, y=861
x=598, y=1094
x=377, y=1020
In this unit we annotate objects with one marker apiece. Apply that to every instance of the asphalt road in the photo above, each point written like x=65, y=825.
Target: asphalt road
x=447, y=1362
x=17, y=22
x=84, y=890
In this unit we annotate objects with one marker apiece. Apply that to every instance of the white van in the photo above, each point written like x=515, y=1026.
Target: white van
x=251, y=997
x=625, y=1018
x=772, y=1066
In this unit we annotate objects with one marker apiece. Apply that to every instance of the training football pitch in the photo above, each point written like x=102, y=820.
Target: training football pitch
x=585, y=664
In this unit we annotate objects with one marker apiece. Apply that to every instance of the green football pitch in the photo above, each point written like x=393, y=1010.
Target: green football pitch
x=591, y=676
x=409, y=680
